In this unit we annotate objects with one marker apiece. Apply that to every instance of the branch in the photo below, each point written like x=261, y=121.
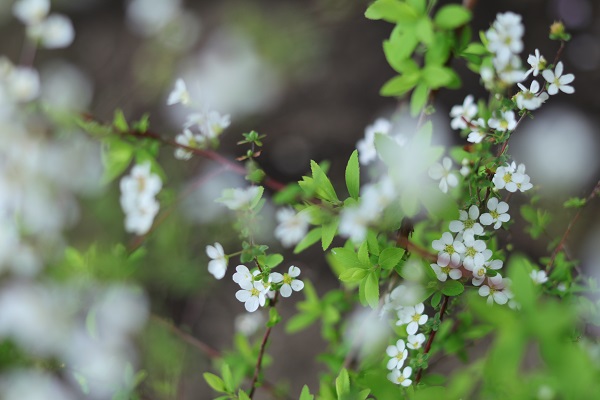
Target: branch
x=432, y=337
x=263, y=347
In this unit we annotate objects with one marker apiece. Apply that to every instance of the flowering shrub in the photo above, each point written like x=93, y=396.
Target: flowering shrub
x=421, y=248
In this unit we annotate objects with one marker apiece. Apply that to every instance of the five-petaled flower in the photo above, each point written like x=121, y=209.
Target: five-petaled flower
x=462, y=114
x=401, y=377
x=398, y=353
x=449, y=249
x=558, y=81
x=289, y=282
x=217, y=266
x=444, y=173
x=497, y=213
x=413, y=317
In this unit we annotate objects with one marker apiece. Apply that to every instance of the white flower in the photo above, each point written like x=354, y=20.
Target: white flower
x=504, y=38
x=467, y=222
x=479, y=272
x=537, y=62
x=506, y=122
x=289, y=281
x=242, y=275
x=510, y=72
x=459, y=114
x=31, y=11
x=442, y=272
x=252, y=294
x=444, y=173
x=465, y=169
x=413, y=316
x=218, y=264
x=507, y=177
x=137, y=198
x=248, y=323
x=179, y=94
x=478, y=131
x=210, y=123
x=23, y=84
x=188, y=139
x=292, y=226
x=497, y=215
x=496, y=290
x=139, y=218
x=354, y=222
x=366, y=146
x=558, y=81
x=474, y=252
x=401, y=378
x=449, y=250
x=54, y=32
x=415, y=341
x=530, y=99
x=398, y=353
x=238, y=199
x=141, y=182
x=539, y=277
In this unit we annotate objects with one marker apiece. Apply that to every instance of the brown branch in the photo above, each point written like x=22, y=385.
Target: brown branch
x=186, y=337
x=563, y=240
x=263, y=347
x=427, y=347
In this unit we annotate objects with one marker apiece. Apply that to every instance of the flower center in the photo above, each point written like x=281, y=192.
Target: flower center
x=494, y=214
x=416, y=318
x=445, y=270
x=254, y=292
x=287, y=279
x=469, y=223
x=470, y=252
x=449, y=249
x=507, y=177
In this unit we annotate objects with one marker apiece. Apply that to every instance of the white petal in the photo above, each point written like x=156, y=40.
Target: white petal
x=242, y=295
x=294, y=271
x=286, y=290
x=276, y=277
x=548, y=75
x=559, y=69
x=297, y=285
x=567, y=89
x=252, y=304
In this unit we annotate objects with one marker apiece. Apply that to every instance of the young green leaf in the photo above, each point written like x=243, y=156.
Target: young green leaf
x=399, y=47
x=418, y=100
x=390, y=257
x=228, y=382
x=214, y=382
x=328, y=232
x=116, y=157
x=323, y=187
x=424, y=30
x=305, y=394
x=342, y=384
x=353, y=175
x=391, y=11
x=401, y=84
x=119, y=121
x=452, y=288
x=372, y=290
x=311, y=238
x=452, y=16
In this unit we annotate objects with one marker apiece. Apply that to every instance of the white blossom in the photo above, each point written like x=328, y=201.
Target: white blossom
x=217, y=266
x=210, y=123
x=248, y=323
x=238, y=199
x=398, y=352
x=474, y=252
x=505, y=36
x=366, y=146
x=537, y=63
x=252, y=294
x=401, y=377
x=467, y=222
x=54, y=32
x=497, y=213
x=465, y=170
x=480, y=272
x=539, y=277
x=449, y=249
x=415, y=342
x=505, y=122
x=466, y=111
x=290, y=283
x=478, y=131
x=443, y=272
x=31, y=11
x=558, y=81
x=23, y=84
x=137, y=198
x=530, y=99
x=188, y=139
x=496, y=290
x=413, y=316
x=292, y=226
x=507, y=177
x=444, y=173
x=242, y=275
x=179, y=94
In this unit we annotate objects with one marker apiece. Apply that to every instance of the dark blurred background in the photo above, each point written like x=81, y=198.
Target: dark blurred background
x=306, y=74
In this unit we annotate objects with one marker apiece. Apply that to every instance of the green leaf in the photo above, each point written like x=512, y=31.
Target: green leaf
x=305, y=394
x=347, y=258
x=274, y=317
x=390, y=257
x=363, y=254
x=420, y=6
x=228, y=378
x=418, y=99
x=437, y=76
x=452, y=288
x=574, y=202
x=116, y=157
x=214, y=382
x=243, y=395
x=328, y=232
x=273, y=260
x=324, y=188
x=372, y=290
x=311, y=238
x=353, y=175
x=301, y=321
x=439, y=51
x=342, y=383
x=424, y=30
x=399, y=47
x=452, y=16
x=399, y=85
x=119, y=121
x=353, y=275
x=435, y=299
x=391, y=11
x=257, y=198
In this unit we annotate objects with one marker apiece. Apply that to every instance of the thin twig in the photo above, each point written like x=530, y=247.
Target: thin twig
x=263, y=347
x=561, y=244
x=427, y=347
x=207, y=350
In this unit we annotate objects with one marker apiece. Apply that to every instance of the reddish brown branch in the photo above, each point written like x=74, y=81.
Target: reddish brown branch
x=427, y=347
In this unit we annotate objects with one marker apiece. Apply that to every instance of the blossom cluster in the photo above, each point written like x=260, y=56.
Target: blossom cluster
x=138, y=191
x=201, y=129
x=52, y=31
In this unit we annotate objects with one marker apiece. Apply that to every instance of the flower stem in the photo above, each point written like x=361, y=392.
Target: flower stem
x=427, y=347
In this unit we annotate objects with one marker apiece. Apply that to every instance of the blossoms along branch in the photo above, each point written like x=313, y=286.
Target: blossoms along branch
x=419, y=237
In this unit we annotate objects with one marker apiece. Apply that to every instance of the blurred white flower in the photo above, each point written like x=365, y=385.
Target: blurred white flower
x=238, y=199
x=366, y=146
x=23, y=84
x=443, y=172
x=217, y=266
x=137, y=198
x=248, y=323
x=463, y=113
x=179, y=94
x=33, y=385
x=31, y=11
x=148, y=17
x=292, y=226
x=54, y=32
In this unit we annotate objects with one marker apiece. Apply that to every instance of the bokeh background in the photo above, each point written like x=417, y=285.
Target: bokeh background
x=306, y=74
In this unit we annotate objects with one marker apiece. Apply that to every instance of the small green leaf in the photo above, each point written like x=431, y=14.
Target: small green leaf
x=435, y=299
x=452, y=16
x=228, y=378
x=437, y=76
x=273, y=260
x=399, y=85
x=574, y=202
x=243, y=395
x=390, y=257
x=418, y=99
x=119, y=121
x=301, y=321
x=305, y=394
x=452, y=288
x=116, y=157
x=353, y=275
x=399, y=47
x=391, y=11
x=328, y=232
x=353, y=175
x=419, y=5
x=342, y=383
x=324, y=188
x=274, y=317
x=311, y=238
x=372, y=290
x=214, y=382
x=346, y=258
x=424, y=30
